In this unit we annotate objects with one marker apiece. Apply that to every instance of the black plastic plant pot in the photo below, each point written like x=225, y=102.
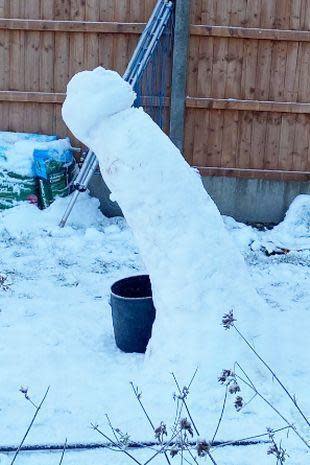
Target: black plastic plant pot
x=133, y=313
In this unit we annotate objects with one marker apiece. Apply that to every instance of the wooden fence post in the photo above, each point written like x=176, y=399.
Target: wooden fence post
x=179, y=72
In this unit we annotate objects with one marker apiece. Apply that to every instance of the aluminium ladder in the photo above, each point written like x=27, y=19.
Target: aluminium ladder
x=137, y=65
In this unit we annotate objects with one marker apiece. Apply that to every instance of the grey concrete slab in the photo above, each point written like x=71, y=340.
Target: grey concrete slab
x=247, y=200
x=254, y=200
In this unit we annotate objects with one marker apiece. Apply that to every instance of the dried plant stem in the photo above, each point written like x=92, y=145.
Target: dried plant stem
x=115, y=444
x=185, y=404
x=178, y=413
x=251, y=386
x=63, y=452
x=193, y=377
x=111, y=427
x=292, y=398
x=138, y=397
x=221, y=415
x=211, y=457
x=190, y=453
x=257, y=436
x=279, y=458
x=32, y=403
x=38, y=408
x=162, y=449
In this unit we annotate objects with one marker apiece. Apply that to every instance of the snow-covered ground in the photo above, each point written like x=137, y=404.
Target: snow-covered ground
x=56, y=329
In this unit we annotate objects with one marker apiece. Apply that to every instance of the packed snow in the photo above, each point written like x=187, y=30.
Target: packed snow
x=56, y=330
x=55, y=317
x=293, y=233
x=197, y=273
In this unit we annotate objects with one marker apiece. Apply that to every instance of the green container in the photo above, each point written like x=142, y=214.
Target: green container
x=52, y=172
x=54, y=178
x=15, y=188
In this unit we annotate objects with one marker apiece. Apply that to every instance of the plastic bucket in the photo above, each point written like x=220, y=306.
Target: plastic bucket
x=133, y=313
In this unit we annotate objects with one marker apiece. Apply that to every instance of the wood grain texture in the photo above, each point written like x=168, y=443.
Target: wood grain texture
x=248, y=100
x=249, y=87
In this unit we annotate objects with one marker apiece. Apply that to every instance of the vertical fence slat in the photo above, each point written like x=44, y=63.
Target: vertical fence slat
x=61, y=60
x=16, y=68
x=121, y=42
x=91, y=44
x=106, y=44
x=76, y=39
x=4, y=76
x=32, y=66
x=46, y=124
x=218, y=67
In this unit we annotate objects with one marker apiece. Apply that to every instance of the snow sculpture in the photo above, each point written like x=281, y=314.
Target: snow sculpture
x=197, y=274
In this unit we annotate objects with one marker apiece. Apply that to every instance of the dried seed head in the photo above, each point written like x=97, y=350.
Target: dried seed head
x=239, y=403
x=24, y=390
x=160, y=431
x=202, y=448
x=174, y=451
x=272, y=450
x=270, y=433
x=3, y=283
x=186, y=426
x=234, y=387
x=228, y=320
x=225, y=375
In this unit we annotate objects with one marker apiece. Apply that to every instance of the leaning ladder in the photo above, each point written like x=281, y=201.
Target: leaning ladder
x=137, y=65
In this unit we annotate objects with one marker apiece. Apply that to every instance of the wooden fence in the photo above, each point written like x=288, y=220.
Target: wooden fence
x=43, y=43
x=248, y=103
x=248, y=110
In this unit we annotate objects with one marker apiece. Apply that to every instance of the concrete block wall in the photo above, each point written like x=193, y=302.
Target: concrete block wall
x=246, y=200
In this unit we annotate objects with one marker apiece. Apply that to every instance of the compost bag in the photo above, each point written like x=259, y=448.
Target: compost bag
x=34, y=168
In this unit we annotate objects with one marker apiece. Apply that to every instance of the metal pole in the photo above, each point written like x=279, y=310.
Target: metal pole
x=151, y=47
x=135, y=68
x=150, y=25
x=69, y=209
x=179, y=72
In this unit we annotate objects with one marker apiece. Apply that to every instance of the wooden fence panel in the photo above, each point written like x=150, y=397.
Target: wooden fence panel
x=38, y=58
x=248, y=105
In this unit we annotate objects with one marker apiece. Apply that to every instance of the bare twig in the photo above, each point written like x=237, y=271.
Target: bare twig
x=249, y=438
x=112, y=428
x=211, y=457
x=275, y=410
x=193, y=377
x=276, y=450
x=138, y=397
x=191, y=454
x=63, y=452
x=162, y=449
x=177, y=416
x=115, y=444
x=228, y=322
x=38, y=408
x=221, y=414
x=184, y=402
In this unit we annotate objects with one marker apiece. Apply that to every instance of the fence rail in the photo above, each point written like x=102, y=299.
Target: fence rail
x=249, y=89
x=247, y=106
